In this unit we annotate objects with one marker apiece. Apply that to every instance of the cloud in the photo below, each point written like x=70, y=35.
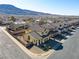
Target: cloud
x=7, y=1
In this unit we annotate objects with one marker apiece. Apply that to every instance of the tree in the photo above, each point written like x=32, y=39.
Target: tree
x=12, y=18
x=41, y=22
x=1, y=20
x=29, y=20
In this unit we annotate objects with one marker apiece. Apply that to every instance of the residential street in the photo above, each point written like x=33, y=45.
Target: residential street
x=70, y=48
x=9, y=50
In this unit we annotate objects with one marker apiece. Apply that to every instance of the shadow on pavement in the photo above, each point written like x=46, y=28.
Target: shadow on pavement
x=51, y=44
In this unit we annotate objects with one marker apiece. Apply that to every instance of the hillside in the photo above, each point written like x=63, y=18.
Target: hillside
x=10, y=9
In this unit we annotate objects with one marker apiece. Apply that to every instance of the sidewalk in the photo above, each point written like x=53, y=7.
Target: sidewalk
x=9, y=50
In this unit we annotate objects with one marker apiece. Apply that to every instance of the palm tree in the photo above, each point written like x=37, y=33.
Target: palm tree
x=0, y=20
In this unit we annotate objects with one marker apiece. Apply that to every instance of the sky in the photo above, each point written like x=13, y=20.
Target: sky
x=62, y=7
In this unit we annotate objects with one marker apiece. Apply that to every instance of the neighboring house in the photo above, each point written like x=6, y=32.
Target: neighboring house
x=34, y=34
x=37, y=28
x=17, y=27
x=6, y=22
x=50, y=30
x=35, y=38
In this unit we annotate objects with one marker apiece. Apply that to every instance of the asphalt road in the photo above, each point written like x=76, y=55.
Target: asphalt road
x=9, y=50
x=70, y=48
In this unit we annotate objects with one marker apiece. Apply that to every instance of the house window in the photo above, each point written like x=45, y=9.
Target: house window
x=28, y=37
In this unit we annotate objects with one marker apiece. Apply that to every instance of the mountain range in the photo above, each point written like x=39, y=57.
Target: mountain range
x=10, y=9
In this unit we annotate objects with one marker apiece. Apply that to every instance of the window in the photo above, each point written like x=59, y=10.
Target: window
x=28, y=37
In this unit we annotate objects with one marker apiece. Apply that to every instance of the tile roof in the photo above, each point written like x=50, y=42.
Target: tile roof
x=35, y=35
x=36, y=27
